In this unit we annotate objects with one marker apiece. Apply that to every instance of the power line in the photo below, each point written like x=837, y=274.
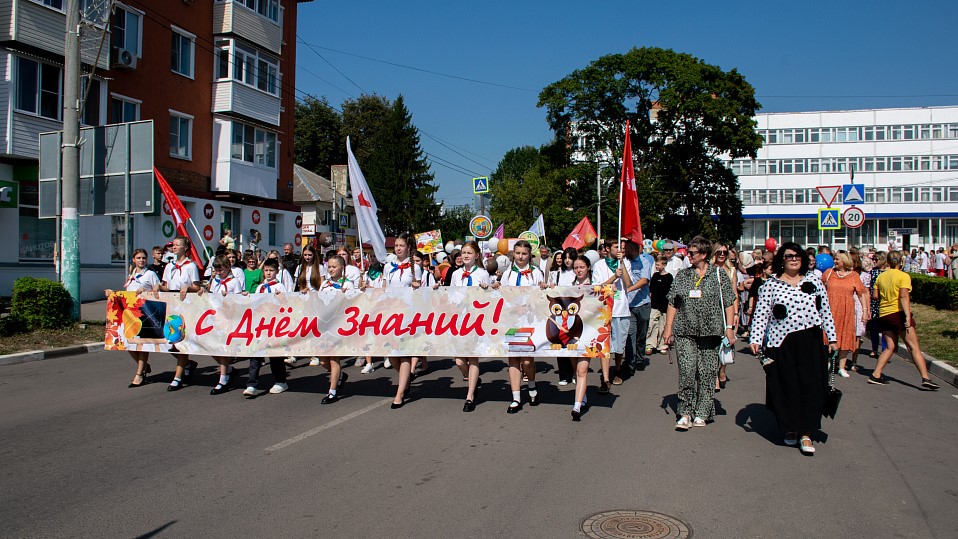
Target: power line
x=331, y=64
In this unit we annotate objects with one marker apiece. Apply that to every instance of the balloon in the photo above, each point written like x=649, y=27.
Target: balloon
x=824, y=262
x=659, y=245
x=502, y=246
x=592, y=255
x=492, y=245
x=450, y=246
x=502, y=261
x=771, y=244
x=647, y=243
x=440, y=257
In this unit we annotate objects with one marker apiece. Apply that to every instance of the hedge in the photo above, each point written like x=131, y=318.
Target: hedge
x=40, y=303
x=938, y=292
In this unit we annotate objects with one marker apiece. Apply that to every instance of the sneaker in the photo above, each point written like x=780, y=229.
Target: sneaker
x=928, y=384
x=387, y=364
x=617, y=381
x=648, y=350
x=604, y=388
x=368, y=368
x=278, y=388
x=563, y=382
x=291, y=360
x=682, y=423
x=843, y=373
x=253, y=391
x=313, y=361
x=878, y=381
x=698, y=422
x=664, y=351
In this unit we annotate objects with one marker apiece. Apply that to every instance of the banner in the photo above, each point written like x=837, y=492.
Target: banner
x=429, y=242
x=466, y=321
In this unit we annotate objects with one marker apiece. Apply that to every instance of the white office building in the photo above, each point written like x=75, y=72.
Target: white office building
x=906, y=159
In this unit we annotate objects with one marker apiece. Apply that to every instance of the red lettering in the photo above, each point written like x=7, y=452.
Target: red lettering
x=351, y=314
x=265, y=326
x=373, y=324
x=281, y=326
x=199, y=323
x=476, y=327
x=441, y=327
x=418, y=322
x=305, y=327
x=243, y=329
x=394, y=325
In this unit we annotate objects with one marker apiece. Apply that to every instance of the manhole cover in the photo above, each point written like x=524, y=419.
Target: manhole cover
x=634, y=525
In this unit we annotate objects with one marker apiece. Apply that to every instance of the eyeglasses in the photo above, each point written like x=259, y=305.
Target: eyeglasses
x=691, y=253
x=721, y=253
x=792, y=256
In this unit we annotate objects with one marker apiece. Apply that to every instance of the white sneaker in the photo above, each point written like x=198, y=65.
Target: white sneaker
x=682, y=423
x=291, y=360
x=252, y=391
x=278, y=388
x=368, y=368
x=843, y=373
x=387, y=364
x=563, y=383
x=313, y=361
x=698, y=422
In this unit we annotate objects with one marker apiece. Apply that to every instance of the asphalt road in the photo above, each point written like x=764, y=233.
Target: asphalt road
x=85, y=456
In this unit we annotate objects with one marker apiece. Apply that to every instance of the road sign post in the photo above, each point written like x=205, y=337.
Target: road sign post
x=829, y=219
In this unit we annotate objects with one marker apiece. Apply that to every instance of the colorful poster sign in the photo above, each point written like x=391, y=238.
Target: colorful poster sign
x=429, y=242
x=532, y=238
x=481, y=226
x=511, y=321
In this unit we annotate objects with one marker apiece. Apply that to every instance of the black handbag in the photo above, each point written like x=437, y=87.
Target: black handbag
x=834, y=396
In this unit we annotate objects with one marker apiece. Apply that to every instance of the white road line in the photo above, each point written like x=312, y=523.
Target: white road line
x=331, y=424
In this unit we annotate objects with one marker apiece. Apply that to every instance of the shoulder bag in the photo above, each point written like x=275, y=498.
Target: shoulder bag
x=834, y=395
x=726, y=352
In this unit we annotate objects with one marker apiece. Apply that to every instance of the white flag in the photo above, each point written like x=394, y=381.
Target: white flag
x=539, y=228
x=366, y=221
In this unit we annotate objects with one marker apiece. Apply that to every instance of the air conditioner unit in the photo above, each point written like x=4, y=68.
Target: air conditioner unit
x=124, y=59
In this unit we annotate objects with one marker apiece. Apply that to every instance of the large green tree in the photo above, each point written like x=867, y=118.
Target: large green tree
x=454, y=222
x=684, y=114
x=319, y=141
x=387, y=147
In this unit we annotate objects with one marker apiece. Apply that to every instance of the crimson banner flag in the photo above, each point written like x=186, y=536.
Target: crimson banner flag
x=179, y=214
x=630, y=226
x=582, y=235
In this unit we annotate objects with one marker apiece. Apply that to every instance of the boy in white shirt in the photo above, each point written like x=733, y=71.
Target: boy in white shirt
x=615, y=269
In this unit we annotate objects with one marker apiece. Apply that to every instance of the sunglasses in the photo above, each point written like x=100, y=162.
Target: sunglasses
x=792, y=256
x=691, y=253
x=721, y=253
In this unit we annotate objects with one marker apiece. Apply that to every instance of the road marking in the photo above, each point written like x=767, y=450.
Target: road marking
x=955, y=396
x=331, y=424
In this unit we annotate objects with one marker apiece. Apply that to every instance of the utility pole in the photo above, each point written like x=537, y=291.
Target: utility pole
x=70, y=232
x=598, y=207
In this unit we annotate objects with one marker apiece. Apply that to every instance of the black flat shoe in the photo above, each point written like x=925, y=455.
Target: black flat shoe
x=514, y=407
x=576, y=415
x=142, y=383
x=175, y=386
x=468, y=406
x=534, y=401
x=722, y=384
x=329, y=399
x=188, y=371
x=220, y=389
x=604, y=389
x=396, y=406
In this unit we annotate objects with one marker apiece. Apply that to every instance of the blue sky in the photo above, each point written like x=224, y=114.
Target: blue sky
x=797, y=55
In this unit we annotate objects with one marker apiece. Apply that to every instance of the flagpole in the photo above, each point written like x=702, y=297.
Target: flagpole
x=618, y=225
x=199, y=236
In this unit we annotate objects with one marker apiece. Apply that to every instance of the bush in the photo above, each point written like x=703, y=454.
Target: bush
x=938, y=292
x=40, y=303
x=10, y=325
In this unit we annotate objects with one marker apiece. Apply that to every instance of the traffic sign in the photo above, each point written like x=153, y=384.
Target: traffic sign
x=480, y=185
x=853, y=193
x=828, y=219
x=343, y=221
x=853, y=217
x=828, y=193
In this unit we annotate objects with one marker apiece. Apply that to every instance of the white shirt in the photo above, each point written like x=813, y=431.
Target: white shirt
x=566, y=278
x=427, y=279
x=286, y=279
x=177, y=276
x=397, y=274
x=330, y=284
x=923, y=261
x=230, y=285
x=940, y=261
x=354, y=274
x=516, y=277
x=237, y=273
x=309, y=274
x=602, y=273
x=801, y=307
x=377, y=282
x=272, y=287
x=477, y=277
x=143, y=279
x=676, y=264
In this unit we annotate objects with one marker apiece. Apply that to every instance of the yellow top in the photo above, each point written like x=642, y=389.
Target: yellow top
x=889, y=284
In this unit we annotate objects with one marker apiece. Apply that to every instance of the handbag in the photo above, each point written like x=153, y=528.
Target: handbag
x=726, y=352
x=834, y=396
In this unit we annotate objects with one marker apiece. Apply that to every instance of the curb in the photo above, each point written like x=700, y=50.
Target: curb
x=39, y=355
x=939, y=368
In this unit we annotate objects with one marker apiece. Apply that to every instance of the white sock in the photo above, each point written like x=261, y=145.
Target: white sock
x=332, y=392
x=516, y=396
x=224, y=379
x=177, y=381
x=577, y=407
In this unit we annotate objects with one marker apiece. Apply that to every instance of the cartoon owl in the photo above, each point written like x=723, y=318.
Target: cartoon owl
x=564, y=328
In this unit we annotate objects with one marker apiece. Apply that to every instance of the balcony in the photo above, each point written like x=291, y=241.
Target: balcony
x=230, y=18
x=43, y=27
x=236, y=176
x=232, y=97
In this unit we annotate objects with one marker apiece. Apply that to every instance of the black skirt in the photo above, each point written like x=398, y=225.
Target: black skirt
x=796, y=382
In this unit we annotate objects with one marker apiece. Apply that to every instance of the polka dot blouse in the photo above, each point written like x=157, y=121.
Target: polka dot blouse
x=783, y=309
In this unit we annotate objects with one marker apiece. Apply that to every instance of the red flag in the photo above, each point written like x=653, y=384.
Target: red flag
x=179, y=214
x=630, y=226
x=582, y=235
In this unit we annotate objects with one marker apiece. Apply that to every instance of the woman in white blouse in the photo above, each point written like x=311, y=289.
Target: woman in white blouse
x=791, y=316
x=140, y=279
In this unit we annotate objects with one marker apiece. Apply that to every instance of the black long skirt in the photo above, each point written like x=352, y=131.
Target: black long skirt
x=797, y=381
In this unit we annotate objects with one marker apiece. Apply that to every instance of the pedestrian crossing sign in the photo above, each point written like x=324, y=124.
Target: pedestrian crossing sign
x=480, y=185
x=828, y=219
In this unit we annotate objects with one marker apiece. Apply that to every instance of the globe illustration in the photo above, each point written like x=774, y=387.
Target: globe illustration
x=173, y=328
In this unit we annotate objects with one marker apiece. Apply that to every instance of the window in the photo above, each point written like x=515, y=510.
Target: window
x=800, y=196
x=253, y=145
x=38, y=88
x=117, y=239
x=266, y=8
x=124, y=109
x=38, y=237
x=222, y=62
x=91, y=105
x=55, y=4
x=96, y=12
x=250, y=67
x=271, y=229
x=181, y=53
x=327, y=217
x=127, y=29
x=181, y=133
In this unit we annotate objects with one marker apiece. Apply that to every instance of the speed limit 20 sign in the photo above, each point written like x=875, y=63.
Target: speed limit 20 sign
x=853, y=217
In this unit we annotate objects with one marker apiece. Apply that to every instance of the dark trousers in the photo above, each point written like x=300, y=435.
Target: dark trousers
x=565, y=369
x=276, y=366
x=638, y=330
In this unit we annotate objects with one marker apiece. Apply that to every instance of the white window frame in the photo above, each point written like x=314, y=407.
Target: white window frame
x=125, y=100
x=139, y=27
x=256, y=4
x=249, y=55
x=258, y=148
x=37, y=97
x=189, y=145
x=191, y=38
x=44, y=3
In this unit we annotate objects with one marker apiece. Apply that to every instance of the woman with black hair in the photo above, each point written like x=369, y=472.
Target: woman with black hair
x=791, y=317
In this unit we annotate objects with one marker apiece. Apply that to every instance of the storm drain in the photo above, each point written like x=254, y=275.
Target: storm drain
x=634, y=525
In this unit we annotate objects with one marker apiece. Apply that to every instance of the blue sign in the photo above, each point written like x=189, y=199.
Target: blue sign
x=828, y=219
x=480, y=185
x=343, y=221
x=853, y=193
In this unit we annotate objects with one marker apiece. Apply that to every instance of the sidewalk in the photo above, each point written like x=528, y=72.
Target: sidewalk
x=93, y=311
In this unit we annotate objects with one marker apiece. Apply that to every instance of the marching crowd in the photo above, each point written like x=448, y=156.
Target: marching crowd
x=798, y=309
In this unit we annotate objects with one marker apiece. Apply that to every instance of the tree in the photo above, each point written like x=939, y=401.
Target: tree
x=318, y=141
x=684, y=114
x=454, y=222
x=387, y=147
